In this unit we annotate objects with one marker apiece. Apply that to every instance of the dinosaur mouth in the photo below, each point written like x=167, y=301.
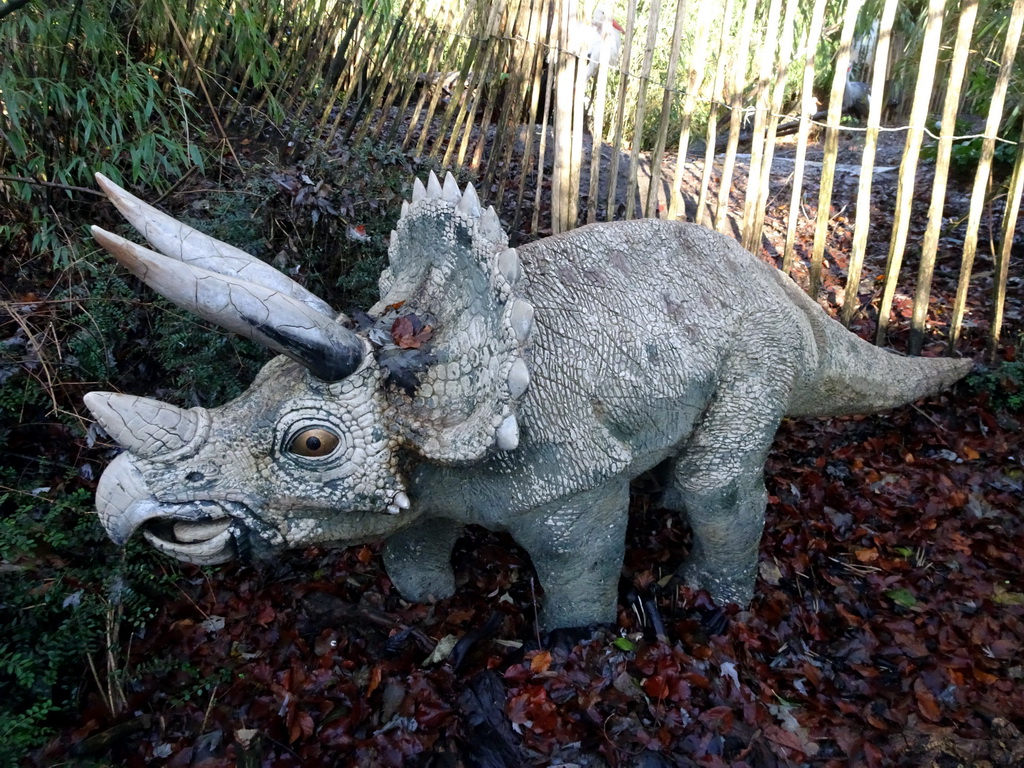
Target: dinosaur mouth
x=206, y=540
x=199, y=531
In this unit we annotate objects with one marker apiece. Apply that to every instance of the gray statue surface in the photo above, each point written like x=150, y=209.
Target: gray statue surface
x=518, y=389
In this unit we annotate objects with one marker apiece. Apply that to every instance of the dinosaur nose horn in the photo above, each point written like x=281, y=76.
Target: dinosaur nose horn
x=146, y=427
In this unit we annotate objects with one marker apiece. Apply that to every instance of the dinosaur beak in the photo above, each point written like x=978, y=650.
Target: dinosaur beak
x=146, y=427
x=200, y=533
x=197, y=532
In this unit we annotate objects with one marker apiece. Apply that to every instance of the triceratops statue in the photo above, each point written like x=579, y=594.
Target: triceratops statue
x=556, y=373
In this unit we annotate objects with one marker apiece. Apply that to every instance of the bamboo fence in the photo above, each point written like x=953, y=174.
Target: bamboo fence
x=563, y=133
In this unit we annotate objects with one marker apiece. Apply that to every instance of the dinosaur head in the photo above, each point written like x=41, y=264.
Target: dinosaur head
x=314, y=450
x=300, y=457
x=294, y=461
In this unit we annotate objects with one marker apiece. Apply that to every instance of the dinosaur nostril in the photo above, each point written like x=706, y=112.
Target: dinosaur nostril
x=195, y=477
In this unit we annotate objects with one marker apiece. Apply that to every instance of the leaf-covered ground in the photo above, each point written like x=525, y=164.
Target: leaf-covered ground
x=887, y=630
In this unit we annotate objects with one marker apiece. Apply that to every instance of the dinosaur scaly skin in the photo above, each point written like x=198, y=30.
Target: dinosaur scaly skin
x=559, y=371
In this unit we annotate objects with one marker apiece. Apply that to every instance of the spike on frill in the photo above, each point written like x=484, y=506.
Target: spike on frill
x=419, y=192
x=433, y=186
x=450, y=192
x=470, y=203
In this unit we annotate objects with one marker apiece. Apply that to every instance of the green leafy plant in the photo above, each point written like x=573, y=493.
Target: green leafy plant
x=74, y=99
x=1004, y=384
x=966, y=153
x=58, y=598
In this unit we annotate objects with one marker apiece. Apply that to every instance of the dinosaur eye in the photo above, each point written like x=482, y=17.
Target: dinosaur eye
x=314, y=442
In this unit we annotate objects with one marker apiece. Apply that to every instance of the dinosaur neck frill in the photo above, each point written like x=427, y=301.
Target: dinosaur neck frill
x=449, y=260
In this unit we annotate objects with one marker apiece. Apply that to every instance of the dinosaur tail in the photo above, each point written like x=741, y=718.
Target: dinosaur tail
x=853, y=376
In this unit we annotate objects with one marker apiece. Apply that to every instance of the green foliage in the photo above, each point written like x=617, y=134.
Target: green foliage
x=1004, y=384
x=57, y=594
x=66, y=595
x=986, y=46
x=75, y=98
x=966, y=153
x=62, y=601
x=204, y=366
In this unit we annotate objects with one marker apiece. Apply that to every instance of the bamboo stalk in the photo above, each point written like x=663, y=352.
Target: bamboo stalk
x=597, y=146
x=213, y=112
x=309, y=68
x=357, y=72
x=828, y=165
x=429, y=43
x=641, y=107
x=363, y=47
x=549, y=88
x=908, y=168
x=459, y=109
x=739, y=74
x=538, y=33
x=404, y=86
x=753, y=242
x=755, y=176
x=230, y=69
x=620, y=108
x=867, y=164
x=433, y=44
x=571, y=193
x=438, y=90
x=1010, y=213
x=336, y=70
x=806, y=109
x=501, y=37
x=653, y=191
x=469, y=82
x=496, y=100
x=342, y=37
x=957, y=70
x=565, y=90
x=278, y=85
x=676, y=208
x=716, y=95
x=195, y=30
x=392, y=74
x=208, y=62
x=508, y=128
x=388, y=60
x=268, y=44
x=477, y=95
x=981, y=177
x=192, y=17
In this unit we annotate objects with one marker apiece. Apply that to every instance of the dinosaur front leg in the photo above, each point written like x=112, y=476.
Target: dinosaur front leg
x=577, y=545
x=418, y=559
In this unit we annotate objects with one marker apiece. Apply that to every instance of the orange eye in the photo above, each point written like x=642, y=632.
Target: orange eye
x=314, y=442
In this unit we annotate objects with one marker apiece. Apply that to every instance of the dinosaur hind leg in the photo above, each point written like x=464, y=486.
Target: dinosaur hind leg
x=719, y=484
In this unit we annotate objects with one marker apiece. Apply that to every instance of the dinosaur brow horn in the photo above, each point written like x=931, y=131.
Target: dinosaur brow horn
x=276, y=320
x=183, y=243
